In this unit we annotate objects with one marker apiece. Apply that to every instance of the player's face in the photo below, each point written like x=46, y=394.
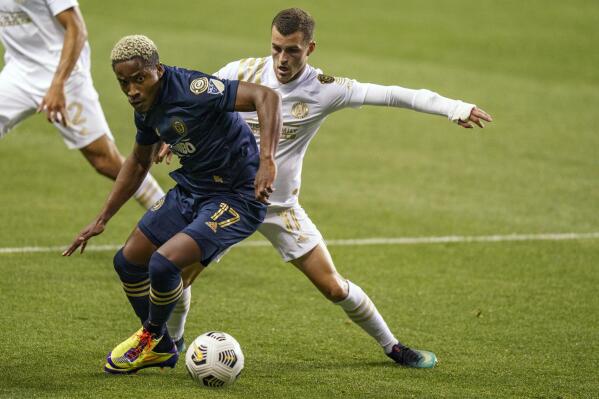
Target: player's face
x=290, y=54
x=139, y=82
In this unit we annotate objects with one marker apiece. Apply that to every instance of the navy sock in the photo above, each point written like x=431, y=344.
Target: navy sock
x=136, y=284
x=165, y=290
x=166, y=343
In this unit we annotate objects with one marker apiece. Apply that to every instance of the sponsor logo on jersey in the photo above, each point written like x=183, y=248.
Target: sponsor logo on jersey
x=299, y=110
x=157, y=205
x=216, y=87
x=287, y=133
x=183, y=148
x=13, y=18
x=325, y=79
x=199, y=85
x=218, y=179
x=179, y=127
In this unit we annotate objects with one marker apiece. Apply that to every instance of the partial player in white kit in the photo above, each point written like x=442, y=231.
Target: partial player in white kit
x=47, y=69
x=308, y=97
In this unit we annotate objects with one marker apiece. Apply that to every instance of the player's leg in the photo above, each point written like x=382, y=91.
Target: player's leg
x=318, y=266
x=219, y=223
x=103, y=156
x=176, y=322
x=88, y=132
x=131, y=265
x=131, y=261
x=151, y=346
x=298, y=240
x=159, y=224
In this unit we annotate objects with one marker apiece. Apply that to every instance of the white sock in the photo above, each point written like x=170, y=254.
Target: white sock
x=149, y=192
x=176, y=323
x=360, y=309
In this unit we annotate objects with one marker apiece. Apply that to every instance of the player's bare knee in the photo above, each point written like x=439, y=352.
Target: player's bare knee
x=336, y=290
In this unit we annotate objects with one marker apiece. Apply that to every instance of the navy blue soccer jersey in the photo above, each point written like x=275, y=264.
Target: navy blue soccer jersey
x=194, y=114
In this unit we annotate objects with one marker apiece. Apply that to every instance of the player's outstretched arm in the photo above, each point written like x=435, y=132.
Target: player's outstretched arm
x=425, y=101
x=54, y=102
x=267, y=103
x=130, y=177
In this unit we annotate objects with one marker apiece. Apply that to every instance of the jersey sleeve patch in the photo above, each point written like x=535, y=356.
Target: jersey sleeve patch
x=204, y=84
x=216, y=87
x=325, y=79
x=199, y=85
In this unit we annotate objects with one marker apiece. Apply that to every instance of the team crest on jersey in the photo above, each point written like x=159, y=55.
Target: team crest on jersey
x=299, y=110
x=324, y=79
x=157, y=205
x=199, y=85
x=216, y=87
x=179, y=127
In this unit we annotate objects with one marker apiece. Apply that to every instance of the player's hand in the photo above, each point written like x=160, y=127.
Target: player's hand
x=264, y=179
x=54, y=105
x=477, y=116
x=164, y=154
x=93, y=229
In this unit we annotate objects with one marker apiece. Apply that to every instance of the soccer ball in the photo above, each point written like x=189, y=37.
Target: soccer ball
x=214, y=359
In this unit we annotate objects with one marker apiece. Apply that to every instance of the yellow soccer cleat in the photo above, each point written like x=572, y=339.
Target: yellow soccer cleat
x=137, y=352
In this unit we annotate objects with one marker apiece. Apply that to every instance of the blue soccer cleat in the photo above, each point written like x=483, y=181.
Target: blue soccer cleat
x=412, y=357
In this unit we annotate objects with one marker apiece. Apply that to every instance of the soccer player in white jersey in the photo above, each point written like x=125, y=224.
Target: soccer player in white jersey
x=47, y=69
x=308, y=97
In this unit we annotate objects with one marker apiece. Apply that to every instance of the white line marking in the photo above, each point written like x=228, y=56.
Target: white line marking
x=360, y=241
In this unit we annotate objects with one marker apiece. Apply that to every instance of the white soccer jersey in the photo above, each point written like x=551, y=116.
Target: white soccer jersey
x=33, y=38
x=306, y=103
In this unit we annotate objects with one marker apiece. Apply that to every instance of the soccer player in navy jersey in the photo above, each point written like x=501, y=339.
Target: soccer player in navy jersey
x=222, y=190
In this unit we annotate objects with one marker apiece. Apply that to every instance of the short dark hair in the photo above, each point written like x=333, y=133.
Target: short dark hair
x=292, y=20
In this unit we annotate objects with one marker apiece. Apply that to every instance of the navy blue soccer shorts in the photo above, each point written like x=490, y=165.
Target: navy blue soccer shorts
x=215, y=221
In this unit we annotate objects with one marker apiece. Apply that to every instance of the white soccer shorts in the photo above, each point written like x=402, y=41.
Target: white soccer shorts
x=20, y=96
x=290, y=231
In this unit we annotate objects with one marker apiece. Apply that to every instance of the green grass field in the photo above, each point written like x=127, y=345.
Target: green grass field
x=506, y=319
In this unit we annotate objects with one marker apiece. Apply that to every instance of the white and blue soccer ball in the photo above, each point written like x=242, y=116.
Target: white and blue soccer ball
x=214, y=359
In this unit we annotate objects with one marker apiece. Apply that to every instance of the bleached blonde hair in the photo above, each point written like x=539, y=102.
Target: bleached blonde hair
x=133, y=46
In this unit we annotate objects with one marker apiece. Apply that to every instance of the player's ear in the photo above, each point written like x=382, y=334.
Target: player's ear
x=160, y=70
x=311, y=47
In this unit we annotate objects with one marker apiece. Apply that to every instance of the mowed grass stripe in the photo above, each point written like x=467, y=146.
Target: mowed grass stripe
x=361, y=241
